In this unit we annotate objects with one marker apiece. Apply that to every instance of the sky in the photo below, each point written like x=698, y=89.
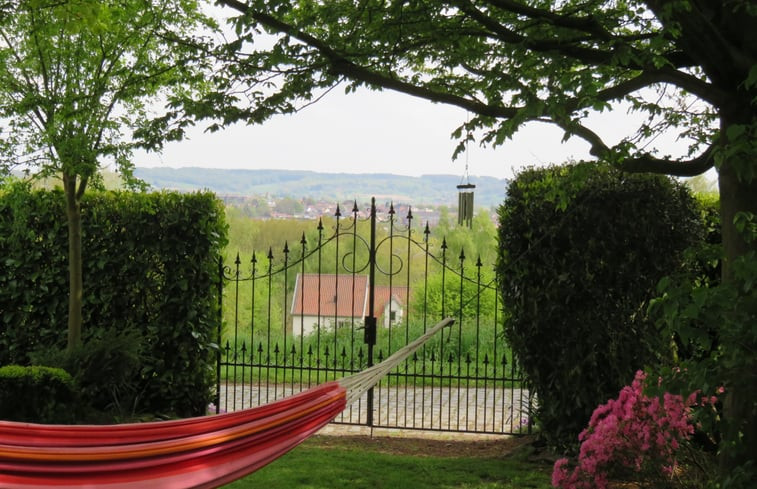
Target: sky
x=365, y=132
x=384, y=132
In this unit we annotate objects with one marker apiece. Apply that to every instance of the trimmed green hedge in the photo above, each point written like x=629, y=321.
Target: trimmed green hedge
x=582, y=250
x=36, y=394
x=150, y=265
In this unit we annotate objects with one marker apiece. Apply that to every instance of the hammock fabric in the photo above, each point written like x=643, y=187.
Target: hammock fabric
x=198, y=452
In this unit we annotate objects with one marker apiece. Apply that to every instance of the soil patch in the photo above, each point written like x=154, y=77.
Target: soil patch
x=499, y=448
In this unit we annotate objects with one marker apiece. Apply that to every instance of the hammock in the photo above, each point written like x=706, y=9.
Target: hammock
x=200, y=452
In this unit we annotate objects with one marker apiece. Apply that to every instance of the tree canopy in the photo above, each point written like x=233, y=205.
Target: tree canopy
x=510, y=62
x=77, y=78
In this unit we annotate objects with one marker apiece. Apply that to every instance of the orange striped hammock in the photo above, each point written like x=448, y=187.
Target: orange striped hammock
x=200, y=452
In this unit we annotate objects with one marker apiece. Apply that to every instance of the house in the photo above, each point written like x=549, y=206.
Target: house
x=327, y=300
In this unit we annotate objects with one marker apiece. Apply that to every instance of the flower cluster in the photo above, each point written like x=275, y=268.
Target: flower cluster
x=634, y=432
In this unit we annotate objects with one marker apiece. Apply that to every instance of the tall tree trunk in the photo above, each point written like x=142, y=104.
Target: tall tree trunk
x=73, y=215
x=738, y=193
x=736, y=196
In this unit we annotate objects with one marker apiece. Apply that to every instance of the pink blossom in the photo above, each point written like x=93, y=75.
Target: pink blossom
x=632, y=431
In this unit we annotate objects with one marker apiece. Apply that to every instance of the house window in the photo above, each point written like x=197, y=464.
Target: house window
x=393, y=316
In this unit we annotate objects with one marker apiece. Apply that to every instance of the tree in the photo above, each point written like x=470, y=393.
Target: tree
x=689, y=67
x=75, y=77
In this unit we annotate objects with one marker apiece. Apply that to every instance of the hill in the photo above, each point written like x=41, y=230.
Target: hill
x=426, y=189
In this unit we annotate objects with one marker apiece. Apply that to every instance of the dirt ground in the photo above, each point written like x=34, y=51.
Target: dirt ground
x=484, y=448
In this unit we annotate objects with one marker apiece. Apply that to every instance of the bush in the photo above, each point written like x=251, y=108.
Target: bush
x=715, y=327
x=635, y=436
x=105, y=369
x=582, y=249
x=150, y=265
x=36, y=394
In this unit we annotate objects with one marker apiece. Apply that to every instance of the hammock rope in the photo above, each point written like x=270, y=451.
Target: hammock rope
x=202, y=452
x=359, y=383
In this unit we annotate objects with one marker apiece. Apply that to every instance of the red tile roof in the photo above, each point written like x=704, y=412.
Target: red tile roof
x=332, y=293
x=336, y=295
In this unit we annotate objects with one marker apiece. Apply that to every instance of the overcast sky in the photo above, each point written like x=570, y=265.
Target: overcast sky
x=365, y=132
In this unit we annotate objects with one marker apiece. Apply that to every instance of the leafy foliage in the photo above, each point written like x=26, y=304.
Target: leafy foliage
x=76, y=82
x=453, y=294
x=582, y=248
x=106, y=370
x=714, y=324
x=76, y=76
x=508, y=64
x=152, y=268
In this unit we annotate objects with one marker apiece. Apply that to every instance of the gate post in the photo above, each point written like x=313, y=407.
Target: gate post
x=217, y=398
x=370, y=319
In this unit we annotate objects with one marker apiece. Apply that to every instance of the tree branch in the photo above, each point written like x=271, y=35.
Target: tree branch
x=587, y=55
x=686, y=168
x=645, y=163
x=585, y=24
x=82, y=187
x=342, y=66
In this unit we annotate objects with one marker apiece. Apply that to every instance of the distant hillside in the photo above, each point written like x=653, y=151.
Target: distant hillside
x=427, y=189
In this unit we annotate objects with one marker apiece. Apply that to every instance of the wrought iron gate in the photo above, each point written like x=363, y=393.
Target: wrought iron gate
x=333, y=305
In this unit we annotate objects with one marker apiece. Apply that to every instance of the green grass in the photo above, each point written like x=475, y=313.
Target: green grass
x=361, y=466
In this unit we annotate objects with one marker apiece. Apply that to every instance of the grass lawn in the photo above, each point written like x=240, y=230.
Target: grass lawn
x=328, y=462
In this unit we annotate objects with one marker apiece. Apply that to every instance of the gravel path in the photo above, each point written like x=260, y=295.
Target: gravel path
x=474, y=410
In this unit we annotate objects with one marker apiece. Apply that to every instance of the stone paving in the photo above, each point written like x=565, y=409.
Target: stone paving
x=473, y=410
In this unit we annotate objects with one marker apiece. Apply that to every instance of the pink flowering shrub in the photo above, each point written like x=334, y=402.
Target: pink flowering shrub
x=633, y=432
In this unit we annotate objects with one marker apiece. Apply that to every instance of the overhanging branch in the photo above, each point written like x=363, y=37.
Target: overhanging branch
x=585, y=24
x=340, y=65
x=644, y=163
x=677, y=168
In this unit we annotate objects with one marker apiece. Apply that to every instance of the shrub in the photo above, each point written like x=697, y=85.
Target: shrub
x=105, y=369
x=715, y=327
x=631, y=434
x=582, y=249
x=36, y=394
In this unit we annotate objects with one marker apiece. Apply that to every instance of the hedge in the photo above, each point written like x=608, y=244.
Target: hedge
x=36, y=394
x=150, y=265
x=582, y=250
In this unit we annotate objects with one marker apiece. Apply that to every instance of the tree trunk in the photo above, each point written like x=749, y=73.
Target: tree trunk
x=738, y=194
x=735, y=196
x=75, y=290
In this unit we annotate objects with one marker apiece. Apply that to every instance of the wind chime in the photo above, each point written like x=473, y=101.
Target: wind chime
x=465, y=194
